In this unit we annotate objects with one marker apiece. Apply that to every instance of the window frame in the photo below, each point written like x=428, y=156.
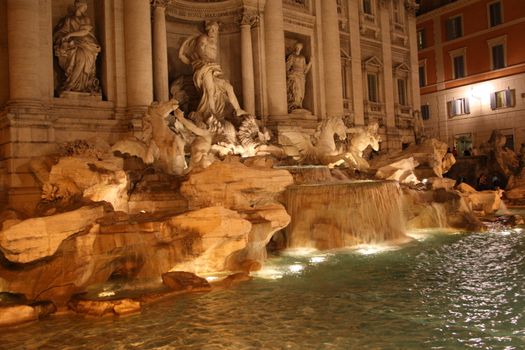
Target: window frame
x=376, y=92
x=452, y=105
x=372, y=3
x=421, y=44
x=425, y=112
x=500, y=40
x=453, y=55
x=489, y=18
x=449, y=20
x=422, y=65
x=509, y=101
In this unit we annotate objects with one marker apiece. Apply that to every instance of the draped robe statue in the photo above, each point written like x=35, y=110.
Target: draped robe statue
x=76, y=48
x=296, y=70
x=201, y=52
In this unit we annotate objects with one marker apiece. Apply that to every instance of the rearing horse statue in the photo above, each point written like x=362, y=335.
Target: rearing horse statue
x=322, y=149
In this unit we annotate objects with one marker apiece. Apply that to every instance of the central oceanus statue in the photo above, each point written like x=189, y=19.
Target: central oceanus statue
x=201, y=52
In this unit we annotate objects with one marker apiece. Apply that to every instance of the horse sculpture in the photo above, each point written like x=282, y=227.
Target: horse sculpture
x=158, y=144
x=363, y=137
x=322, y=149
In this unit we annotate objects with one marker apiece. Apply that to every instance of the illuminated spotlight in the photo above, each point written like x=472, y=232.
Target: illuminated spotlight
x=268, y=273
x=518, y=230
x=106, y=294
x=424, y=181
x=317, y=259
x=211, y=278
x=374, y=249
x=295, y=268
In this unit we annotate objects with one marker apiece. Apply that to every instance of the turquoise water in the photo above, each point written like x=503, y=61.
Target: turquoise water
x=442, y=291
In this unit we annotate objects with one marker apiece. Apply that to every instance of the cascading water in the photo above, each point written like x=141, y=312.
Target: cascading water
x=335, y=215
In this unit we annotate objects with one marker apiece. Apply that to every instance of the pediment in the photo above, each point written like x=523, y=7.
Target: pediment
x=373, y=61
x=402, y=67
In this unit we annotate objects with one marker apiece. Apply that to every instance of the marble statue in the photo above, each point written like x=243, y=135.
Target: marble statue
x=322, y=149
x=161, y=143
x=200, y=148
x=296, y=70
x=201, y=52
x=76, y=48
x=363, y=137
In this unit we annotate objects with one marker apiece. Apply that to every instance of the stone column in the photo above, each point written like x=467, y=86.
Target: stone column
x=332, y=58
x=248, y=78
x=160, y=51
x=275, y=59
x=388, y=74
x=414, y=61
x=137, y=28
x=23, y=50
x=357, y=72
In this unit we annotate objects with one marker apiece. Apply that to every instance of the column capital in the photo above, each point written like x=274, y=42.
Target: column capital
x=160, y=3
x=411, y=6
x=248, y=18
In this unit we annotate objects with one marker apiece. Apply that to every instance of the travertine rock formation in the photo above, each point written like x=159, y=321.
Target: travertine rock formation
x=38, y=238
x=141, y=247
x=431, y=155
x=253, y=192
x=235, y=186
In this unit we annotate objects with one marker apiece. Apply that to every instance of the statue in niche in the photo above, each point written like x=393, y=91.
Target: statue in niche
x=76, y=48
x=201, y=52
x=296, y=70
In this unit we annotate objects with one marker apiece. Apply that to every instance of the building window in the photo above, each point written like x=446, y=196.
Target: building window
x=398, y=13
x=503, y=99
x=459, y=66
x=367, y=7
x=495, y=17
x=425, y=112
x=421, y=43
x=498, y=56
x=373, y=89
x=402, y=92
x=457, y=107
x=454, y=28
x=422, y=76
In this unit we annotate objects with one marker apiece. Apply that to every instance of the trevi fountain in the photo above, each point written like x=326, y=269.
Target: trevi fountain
x=209, y=227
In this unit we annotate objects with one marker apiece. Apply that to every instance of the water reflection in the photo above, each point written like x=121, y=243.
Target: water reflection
x=445, y=291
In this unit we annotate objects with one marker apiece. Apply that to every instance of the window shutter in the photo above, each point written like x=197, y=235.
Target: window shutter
x=451, y=108
x=508, y=98
x=458, y=104
x=466, y=106
x=493, y=105
x=450, y=29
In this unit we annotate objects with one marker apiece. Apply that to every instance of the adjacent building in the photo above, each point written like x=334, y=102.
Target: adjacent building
x=472, y=70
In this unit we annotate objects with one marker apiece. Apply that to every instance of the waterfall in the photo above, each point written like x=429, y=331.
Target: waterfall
x=334, y=215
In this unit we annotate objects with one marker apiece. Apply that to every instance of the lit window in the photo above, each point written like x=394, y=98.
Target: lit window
x=498, y=56
x=421, y=44
x=373, y=95
x=367, y=7
x=402, y=92
x=503, y=99
x=495, y=14
x=459, y=66
x=425, y=112
x=457, y=107
x=422, y=76
x=454, y=28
